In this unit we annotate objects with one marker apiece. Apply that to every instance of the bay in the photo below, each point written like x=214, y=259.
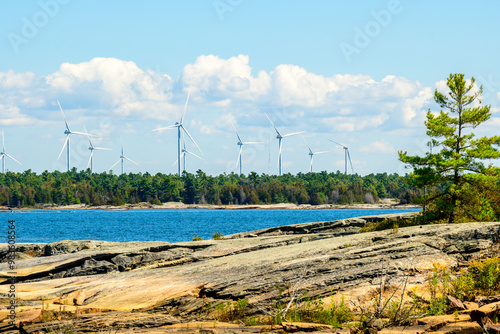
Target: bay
x=172, y=225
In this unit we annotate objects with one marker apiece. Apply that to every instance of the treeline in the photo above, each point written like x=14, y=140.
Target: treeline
x=29, y=189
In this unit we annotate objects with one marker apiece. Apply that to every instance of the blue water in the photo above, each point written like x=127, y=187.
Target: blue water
x=162, y=225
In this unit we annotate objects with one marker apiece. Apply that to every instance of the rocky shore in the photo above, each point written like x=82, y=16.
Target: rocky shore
x=382, y=204
x=153, y=287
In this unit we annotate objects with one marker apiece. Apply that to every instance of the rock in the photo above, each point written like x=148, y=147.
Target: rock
x=303, y=327
x=28, y=316
x=181, y=279
x=483, y=300
x=67, y=246
x=436, y=322
x=404, y=330
x=454, y=304
x=471, y=305
x=461, y=328
x=91, y=267
x=72, y=298
x=493, y=329
x=487, y=311
x=374, y=323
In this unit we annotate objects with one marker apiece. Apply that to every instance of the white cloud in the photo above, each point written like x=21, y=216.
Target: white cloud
x=12, y=80
x=114, y=83
x=379, y=147
x=110, y=87
x=10, y=115
x=218, y=79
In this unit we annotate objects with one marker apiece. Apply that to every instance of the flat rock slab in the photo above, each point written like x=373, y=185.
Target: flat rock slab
x=182, y=279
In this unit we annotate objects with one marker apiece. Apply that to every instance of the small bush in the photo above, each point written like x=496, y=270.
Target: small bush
x=218, y=236
x=197, y=237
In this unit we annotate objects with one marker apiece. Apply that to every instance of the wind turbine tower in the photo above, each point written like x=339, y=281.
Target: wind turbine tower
x=68, y=133
x=311, y=153
x=240, y=144
x=92, y=148
x=184, y=152
x=280, y=137
x=346, y=155
x=179, y=125
x=123, y=157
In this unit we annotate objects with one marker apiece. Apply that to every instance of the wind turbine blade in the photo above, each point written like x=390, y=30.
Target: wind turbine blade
x=182, y=155
x=166, y=127
x=115, y=164
x=64, y=146
x=90, y=159
x=349, y=156
x=194, y=155
x=102, y=148
x=239, y=155
x=187, y=132
x=273, y=125
x=237, y=135
x=337, y=143
x=10, y=156
x=310, y=151
x=251, y=143
x=64, y=117
x=321, y=152
x=83, y=134
x=132, y=161
x=90, y=142
x=185, y=106
x=121, y=141
x=293, y=134
x=3, y=141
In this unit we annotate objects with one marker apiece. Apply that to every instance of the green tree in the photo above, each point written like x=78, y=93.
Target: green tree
x=455, y=169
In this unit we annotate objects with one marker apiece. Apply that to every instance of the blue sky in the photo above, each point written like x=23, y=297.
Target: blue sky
x=360, y=73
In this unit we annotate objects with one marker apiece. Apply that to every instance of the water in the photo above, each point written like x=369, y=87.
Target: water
x=163, y=225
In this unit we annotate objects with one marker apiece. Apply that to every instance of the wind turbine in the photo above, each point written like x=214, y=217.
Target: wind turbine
x=68, y=132
x=179, y=126
x=92, y=148
x=4, y=155
x=241, y=143
x=347, y=155
x=122, y=157
x=184, y=152
x=280, y=137
x=311, y=153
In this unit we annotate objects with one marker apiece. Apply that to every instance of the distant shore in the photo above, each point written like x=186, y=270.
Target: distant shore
x=383, y=204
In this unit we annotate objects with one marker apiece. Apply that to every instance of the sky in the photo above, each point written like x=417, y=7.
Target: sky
x=360, y=73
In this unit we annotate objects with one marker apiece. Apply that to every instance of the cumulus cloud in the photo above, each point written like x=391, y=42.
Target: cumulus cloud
x=114, y=83
x=381, y=146
x=218, y=79
x=112, y=87
x=10, y=115
x=12, y=80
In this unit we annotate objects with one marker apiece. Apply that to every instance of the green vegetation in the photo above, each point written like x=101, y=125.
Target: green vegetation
x=218, y=236
x=197, y=237
x=29, y=189
x=482, y=277
x=460, y=186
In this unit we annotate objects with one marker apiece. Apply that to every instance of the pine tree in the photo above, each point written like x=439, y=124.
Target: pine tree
x=456, y=169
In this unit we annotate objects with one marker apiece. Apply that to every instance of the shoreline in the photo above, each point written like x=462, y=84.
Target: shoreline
x=386, y=204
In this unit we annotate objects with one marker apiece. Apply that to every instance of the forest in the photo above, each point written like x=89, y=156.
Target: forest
x=29, y=189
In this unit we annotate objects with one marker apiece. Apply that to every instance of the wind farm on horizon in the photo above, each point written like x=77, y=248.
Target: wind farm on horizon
x=182, y=151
